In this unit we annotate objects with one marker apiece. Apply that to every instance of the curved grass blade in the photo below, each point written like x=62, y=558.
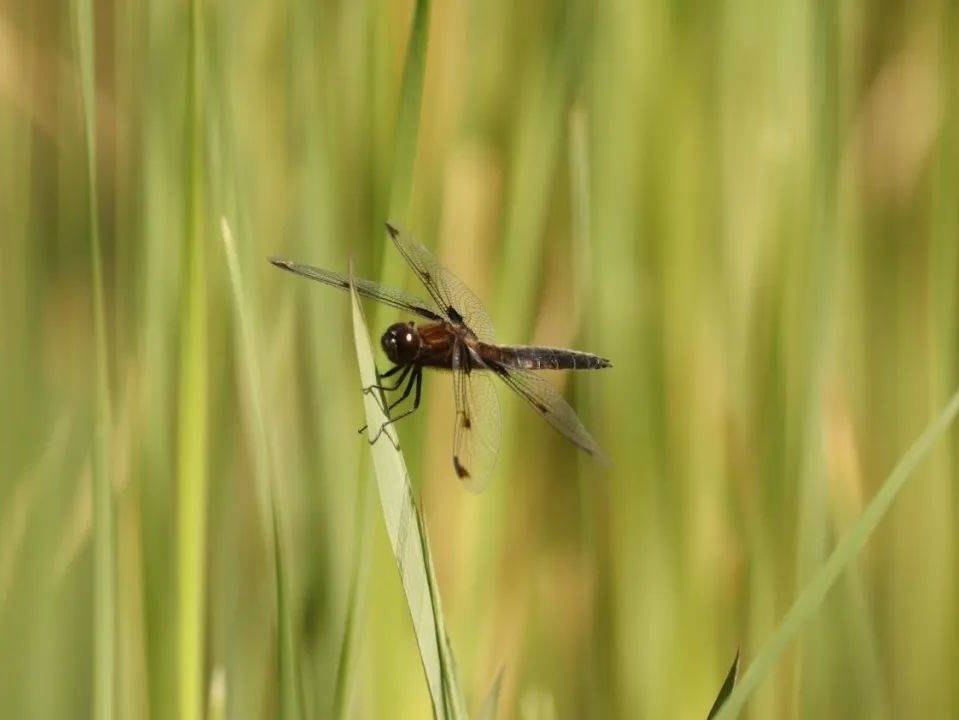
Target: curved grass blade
x=104, y=549
x=811, y=598
x=727, y=687
x=290, y=697
x=407, y=535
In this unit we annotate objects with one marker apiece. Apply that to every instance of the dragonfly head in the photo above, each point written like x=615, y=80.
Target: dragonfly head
x=401, y=343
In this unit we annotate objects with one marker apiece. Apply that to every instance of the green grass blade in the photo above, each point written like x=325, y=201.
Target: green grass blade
x=490, y=706
x=406, y=135
x=408, y=119
x=247, y=344
x=727, y=688
x=355, y=605
x=290, y=699
x=811, y=598
x=538, y=145
x=192, y=421
x=412, y=554
x=291, y=695
x=104, y=550
x=814, y=344
x=452, y=695
x=580, y=200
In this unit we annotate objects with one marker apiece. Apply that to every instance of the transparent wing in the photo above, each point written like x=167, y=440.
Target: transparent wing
x=458, y=303
x=546, y=400
x=476, y=436
x=368, y=288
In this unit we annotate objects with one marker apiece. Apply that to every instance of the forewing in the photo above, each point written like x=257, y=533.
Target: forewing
x=476, y=436
x=448, y=291
x=367, y=288
x=548, y=403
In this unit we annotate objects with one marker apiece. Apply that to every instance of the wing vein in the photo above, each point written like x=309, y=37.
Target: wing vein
x=367, y=288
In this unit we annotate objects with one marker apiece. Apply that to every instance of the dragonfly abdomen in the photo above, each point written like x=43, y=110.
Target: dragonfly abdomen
x=532, y=357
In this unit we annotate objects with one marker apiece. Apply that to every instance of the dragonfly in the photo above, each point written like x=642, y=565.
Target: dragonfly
x=454, y=333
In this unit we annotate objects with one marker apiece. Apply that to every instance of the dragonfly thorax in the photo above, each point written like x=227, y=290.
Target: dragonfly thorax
x=401, y=342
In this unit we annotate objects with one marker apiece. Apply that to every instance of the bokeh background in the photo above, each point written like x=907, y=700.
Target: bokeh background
x=751, y=207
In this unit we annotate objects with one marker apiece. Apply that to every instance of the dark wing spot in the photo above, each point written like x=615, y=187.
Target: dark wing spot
x=392, y=230
x=461, y=472
x=466, y=421
x=454, y=315
x=542, y=408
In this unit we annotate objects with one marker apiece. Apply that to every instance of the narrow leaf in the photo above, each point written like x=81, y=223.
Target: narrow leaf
x=811, y=598
x=406, y=134
x=408, y=119
x=289, y=673
x=727, y=687
x=452, y=696
x=407, y=535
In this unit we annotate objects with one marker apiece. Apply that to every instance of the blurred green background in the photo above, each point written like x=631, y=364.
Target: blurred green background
x=751, y=207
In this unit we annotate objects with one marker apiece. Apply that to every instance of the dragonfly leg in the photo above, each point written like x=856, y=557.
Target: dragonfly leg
x=392, y=371
x=414, y=381
x=382, y=402
x=404, y=371
x=417, y=381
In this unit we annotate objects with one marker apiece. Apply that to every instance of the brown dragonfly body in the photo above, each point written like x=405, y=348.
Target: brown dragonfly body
x=432, y=345
x=457, y=336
